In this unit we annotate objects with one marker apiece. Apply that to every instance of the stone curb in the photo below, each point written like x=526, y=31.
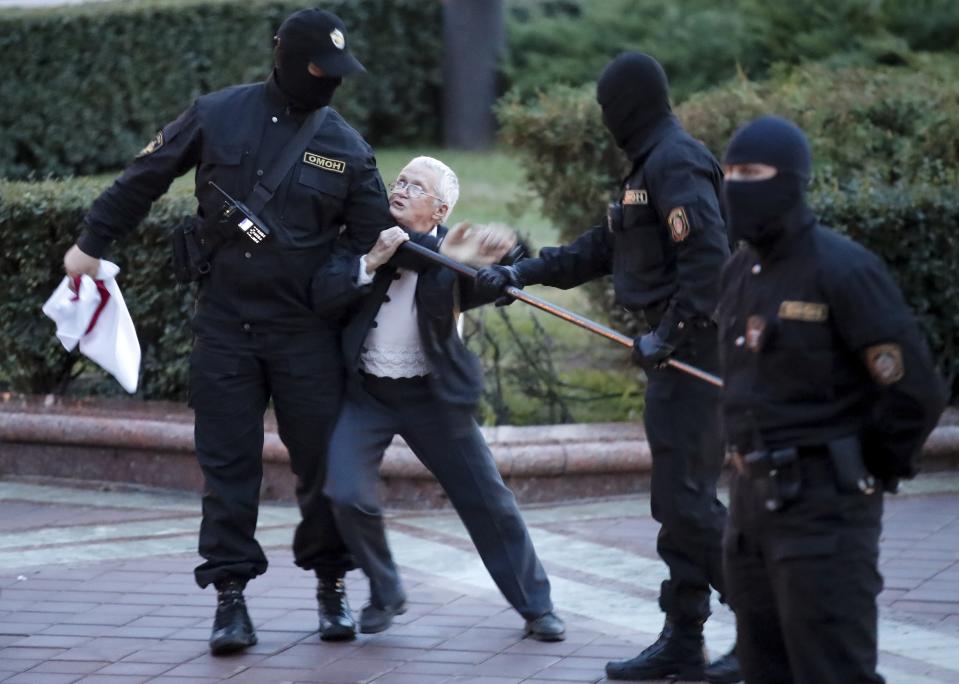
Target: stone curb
x=539, y=451
x=540, y=463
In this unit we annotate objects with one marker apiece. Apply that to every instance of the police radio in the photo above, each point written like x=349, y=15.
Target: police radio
x=245, y=220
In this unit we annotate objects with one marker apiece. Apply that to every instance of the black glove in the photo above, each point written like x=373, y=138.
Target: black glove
x=650, y=351
x=492, y=280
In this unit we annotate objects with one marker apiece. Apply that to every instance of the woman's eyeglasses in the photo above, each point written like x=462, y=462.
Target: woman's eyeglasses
x=412, y=189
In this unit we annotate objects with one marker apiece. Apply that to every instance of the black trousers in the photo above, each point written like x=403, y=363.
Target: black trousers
x=232, y=380
x=448, y=442
x=803, y=583
x=683, y=427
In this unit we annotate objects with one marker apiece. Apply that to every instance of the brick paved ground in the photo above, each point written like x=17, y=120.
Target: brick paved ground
x=96, y=587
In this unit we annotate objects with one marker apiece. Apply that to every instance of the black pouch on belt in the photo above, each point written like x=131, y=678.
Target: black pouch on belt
x=775, y=475
x=191, y=261
x=845, y=454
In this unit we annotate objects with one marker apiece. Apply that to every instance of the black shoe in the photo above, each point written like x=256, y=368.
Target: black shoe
x=725, y=670
x=677, y=654
x=336, y=619
x=232, y=628
x=546, y=627
x=374, y=619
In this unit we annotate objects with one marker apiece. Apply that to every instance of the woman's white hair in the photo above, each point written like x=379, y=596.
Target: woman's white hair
x=447, y=185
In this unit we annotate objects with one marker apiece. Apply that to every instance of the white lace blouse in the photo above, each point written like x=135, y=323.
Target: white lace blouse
x=393, y=348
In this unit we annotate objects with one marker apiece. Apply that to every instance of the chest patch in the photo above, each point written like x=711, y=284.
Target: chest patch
x=635, y=197
x=678, y=224
x=885, y=363
x=810, y=312
x=334, y=165
x=152, y=146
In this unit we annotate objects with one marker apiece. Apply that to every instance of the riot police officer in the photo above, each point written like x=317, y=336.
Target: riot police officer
x=665, y=244
x=829, y=395
x=256, y=337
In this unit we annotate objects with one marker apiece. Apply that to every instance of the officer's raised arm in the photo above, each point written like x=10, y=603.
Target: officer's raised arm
x=587, y=257
x=120, y=208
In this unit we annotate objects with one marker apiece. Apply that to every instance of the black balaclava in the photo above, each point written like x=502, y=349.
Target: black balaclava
x=294, y=79
x=634, y=94
x=312, y=36
x=762, y=212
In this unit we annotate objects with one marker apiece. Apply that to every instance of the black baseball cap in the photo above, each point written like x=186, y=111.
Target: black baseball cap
x=322, y=36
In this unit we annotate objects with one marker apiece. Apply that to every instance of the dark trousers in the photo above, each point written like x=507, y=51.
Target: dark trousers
x=683, y=428
x=448, y=442
x=232, y=379
x=803, y=583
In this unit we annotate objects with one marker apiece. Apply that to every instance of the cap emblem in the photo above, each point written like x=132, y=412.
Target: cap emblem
x=339, y=42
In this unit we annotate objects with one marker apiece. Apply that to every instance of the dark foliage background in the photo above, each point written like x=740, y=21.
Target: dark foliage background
x=85, y=87
x=702, y=43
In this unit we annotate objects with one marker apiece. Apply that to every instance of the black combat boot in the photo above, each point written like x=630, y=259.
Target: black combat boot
x=724, y=670
x=678, y=654
x=336, y=620
x=232, y=628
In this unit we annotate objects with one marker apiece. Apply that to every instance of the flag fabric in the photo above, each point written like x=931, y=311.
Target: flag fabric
x=91, y=312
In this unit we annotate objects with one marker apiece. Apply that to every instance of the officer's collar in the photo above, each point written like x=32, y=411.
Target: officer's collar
x=799, y=223
x=277, y=97
x=274, y=93
x=640, y=147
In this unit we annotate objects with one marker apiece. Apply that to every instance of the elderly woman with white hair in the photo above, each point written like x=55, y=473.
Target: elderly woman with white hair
x=409, y=373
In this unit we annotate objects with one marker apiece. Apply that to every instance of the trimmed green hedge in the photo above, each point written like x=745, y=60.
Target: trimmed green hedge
x=702, y=43
x=885, y=142
x=85, y=87
x=891, y=121
x=40, y=221
x=569, y=42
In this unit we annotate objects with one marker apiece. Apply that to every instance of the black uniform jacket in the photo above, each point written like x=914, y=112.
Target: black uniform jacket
x=231, y=137
x=817, y=344
x=670, y=247
x=456, y=375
